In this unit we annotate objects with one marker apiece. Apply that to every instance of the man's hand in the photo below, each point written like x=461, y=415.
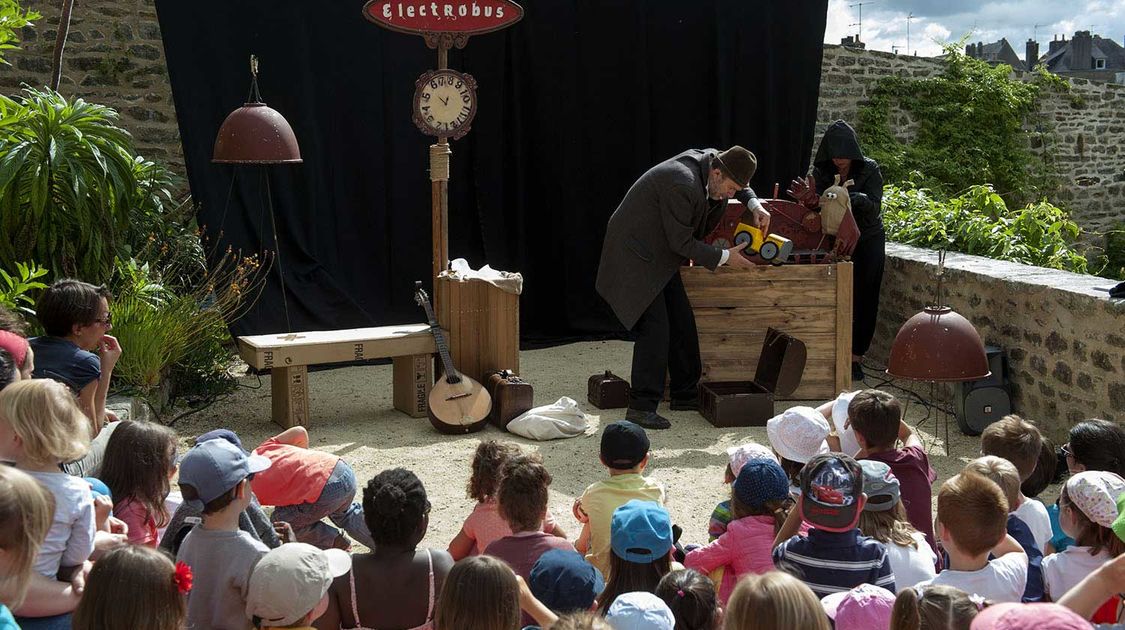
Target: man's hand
x=109, y=351
x=761, y=218
x=735, y=258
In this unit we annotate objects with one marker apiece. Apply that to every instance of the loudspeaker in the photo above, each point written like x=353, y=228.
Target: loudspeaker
x=980, y=403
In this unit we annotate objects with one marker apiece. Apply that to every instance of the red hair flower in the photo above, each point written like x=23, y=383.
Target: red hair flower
x=182, y=577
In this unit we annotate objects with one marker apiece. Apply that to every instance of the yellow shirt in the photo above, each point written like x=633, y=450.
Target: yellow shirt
x=601, y=499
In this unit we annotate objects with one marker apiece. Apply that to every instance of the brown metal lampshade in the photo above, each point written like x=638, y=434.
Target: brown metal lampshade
x=938, y=344
x=256, y=134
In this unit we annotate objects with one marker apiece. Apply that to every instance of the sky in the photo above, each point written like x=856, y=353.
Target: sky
x=939, y=21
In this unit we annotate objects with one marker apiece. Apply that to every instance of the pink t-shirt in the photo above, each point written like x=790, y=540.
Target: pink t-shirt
x=142, y=525
x=296, y=475
x=485, y=526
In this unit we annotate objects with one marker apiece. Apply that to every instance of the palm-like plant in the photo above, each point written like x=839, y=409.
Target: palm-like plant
x=69, y=182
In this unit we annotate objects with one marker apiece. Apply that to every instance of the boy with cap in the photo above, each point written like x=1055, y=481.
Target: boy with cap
x=876, y=418
x=624, y=451
x=289, y=585
x=834, y=556
x=305, y=485
x=564, y=582
x=217, y=474
x=972, y=517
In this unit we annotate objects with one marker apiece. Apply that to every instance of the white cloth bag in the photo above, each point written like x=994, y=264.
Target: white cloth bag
x=563, y=419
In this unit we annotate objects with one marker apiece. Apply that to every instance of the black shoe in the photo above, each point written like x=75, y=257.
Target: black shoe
x=688, y=404
x=647, y=419
x=857, y=372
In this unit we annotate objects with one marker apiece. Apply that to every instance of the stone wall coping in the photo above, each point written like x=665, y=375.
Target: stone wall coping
x=1026, y=277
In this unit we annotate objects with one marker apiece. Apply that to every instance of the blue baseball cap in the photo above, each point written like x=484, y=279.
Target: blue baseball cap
x=221, y=434
x=641, y=531
x=639, y=611
x=759, y=481
x=564, y=581
x=215, y=466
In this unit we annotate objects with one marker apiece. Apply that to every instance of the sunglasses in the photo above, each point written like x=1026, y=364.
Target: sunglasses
x=107, y=320
x=1065, y=450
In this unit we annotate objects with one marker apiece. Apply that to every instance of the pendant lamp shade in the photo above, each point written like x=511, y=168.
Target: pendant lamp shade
x=255, y=133
x=938, y=344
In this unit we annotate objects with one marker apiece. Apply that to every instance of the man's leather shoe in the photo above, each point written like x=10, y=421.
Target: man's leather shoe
x=688, y=404
x=857, y=372
x=647, y=419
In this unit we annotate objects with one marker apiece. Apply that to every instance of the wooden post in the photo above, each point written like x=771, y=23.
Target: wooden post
x=290, y=394
x=440, y=154
x=843, y=327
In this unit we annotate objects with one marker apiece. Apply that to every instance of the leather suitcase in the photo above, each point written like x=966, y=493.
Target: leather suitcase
x=511, y=396
x=608, y=391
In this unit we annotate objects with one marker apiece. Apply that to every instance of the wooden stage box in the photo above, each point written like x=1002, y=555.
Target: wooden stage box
x=734, y=307
x=483, y=322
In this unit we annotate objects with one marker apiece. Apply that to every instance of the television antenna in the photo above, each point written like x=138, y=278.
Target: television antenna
x=895, y=48
x=860, y=22
x=908, y=18
x=1035, y=32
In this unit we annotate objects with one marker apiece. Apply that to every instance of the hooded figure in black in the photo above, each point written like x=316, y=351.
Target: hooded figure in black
x=839, y=154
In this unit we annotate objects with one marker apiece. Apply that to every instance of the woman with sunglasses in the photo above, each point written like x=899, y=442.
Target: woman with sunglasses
x=78, y=351
x=1093, y=445
x=397, y=584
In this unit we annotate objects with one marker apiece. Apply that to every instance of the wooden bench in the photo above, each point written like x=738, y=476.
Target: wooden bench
x=288, y=357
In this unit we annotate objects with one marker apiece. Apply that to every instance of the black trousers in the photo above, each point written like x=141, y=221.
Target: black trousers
x=665, y=343
x=868, y=259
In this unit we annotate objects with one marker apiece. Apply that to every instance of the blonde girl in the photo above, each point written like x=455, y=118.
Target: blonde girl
x=26, y=512
x=773, y=601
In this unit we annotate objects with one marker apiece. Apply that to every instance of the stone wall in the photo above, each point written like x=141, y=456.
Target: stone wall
x=1088, y=127
x=1064, y=337
x=114, y=56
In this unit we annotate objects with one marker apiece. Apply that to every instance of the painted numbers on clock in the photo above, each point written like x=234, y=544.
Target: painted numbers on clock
x=445, y=102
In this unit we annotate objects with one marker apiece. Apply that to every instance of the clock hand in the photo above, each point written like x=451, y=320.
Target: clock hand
x=444, y=101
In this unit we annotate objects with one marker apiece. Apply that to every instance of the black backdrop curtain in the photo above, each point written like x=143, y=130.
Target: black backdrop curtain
x=576, y=101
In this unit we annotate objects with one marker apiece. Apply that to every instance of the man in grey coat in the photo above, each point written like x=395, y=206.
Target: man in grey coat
x=658, y=227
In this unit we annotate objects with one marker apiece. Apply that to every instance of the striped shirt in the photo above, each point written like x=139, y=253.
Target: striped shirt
x=720, y=518
x=834, y=562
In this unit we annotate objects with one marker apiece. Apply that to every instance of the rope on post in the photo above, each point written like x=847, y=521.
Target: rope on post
x=439, y=162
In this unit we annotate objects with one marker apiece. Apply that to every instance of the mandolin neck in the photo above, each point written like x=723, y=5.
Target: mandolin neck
x=451, y=374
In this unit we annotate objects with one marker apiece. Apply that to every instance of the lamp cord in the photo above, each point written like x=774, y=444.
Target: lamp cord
x=277, y=252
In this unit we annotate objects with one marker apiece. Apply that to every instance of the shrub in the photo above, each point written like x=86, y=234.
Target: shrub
x=20, y=290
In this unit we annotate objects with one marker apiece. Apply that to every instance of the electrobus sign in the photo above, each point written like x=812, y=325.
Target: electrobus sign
x=423, y=17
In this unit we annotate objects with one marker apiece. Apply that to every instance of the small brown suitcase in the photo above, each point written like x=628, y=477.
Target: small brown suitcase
x=608, y=391
x=511, y=396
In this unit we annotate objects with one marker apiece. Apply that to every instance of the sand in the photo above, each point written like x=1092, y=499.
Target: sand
x=352, y=416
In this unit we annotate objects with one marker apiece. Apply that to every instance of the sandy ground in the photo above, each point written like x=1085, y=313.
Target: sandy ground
x=352, y=416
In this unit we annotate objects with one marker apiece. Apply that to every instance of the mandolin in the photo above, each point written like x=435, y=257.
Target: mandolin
x=458, y=404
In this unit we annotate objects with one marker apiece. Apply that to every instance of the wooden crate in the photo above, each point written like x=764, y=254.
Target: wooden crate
x=483, y=324
x=734, y=307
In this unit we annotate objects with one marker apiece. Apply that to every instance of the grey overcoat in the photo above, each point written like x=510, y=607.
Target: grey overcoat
x=658, y=226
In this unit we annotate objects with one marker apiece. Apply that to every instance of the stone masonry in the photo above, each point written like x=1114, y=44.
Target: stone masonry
x=1088, y=127
x=1064, y=337
x=114, y=56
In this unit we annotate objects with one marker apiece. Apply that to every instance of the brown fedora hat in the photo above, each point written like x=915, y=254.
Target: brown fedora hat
x=738, y=164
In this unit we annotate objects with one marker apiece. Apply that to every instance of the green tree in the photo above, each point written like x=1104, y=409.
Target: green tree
x=13, y=17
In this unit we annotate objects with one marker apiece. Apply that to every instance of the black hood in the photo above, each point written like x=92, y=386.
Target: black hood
x=839, y=141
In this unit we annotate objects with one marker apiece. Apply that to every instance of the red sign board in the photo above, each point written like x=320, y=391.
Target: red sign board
x=469, y=17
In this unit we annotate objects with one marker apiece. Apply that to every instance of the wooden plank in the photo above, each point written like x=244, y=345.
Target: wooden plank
x=767, y=294
x=290, y=396
x=727, y=275
x=844, y=279
x=413, y=380
x=796, y=321
x=339, y=352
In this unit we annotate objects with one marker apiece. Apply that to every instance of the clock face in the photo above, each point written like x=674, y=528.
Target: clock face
x=445, y=103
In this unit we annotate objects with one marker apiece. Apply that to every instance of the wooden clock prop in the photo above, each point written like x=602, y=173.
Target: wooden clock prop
x=445, y=101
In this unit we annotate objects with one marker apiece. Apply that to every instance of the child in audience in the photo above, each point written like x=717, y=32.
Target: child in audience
x=18, y=348
x=134, y=586
x=876, y=417
x=737, y=456
x=188, y=514
x=690, y=596
x=836, y=412
x=522, y=497
x=77, y=349
x=138, y=468
x=1092, y=445
x=972, y=516
x=582, y=621
x=1103, y=583
x=289, y=585
x=305, y=485
x=624, y=451
x=41, y=426
x=641, y=542
x=834, y=556
x=8, y=372
x=774, y=601
x=935, y=607
x=485, y=525
x=884, y=519
x=220, y=555
x=760, y=502
x=863, y=608
x=1039, y=616
x=1018, y=441
x=640, y=610
x=1006, y=476
x=482, y=593
x=565, y=582
x=1088, y=509
x=1046, y=469
x=797, y=435
x=27, y=510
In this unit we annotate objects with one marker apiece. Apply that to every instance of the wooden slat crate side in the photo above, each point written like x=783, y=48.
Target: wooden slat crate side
x=796, y=321
x=764, y=294
x=730, y=275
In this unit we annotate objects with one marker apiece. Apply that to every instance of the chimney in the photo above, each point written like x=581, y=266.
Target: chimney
x=1056, y=44
x=1081, y=51
x=1031, y=54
